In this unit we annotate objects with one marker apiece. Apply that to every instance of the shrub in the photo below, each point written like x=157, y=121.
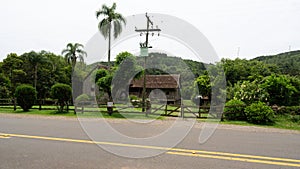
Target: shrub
x=234, y=110
x=135, y=100
x=259, y=113
x=133, y=97
x=83, y=99
x=63, y=94
x=26, y=96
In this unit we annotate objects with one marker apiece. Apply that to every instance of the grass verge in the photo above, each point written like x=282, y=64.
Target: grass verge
x=281, y=121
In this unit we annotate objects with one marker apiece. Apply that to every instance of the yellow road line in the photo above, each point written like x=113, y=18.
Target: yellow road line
x=236, y=159
x=177, y=151
x=4, y=137
x=236, y=155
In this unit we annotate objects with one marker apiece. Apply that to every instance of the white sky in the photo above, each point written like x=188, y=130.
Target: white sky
x=257, y=27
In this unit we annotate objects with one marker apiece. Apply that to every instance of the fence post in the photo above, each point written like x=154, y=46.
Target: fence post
x=182, y=111
x=75, y=109
x=166, y=109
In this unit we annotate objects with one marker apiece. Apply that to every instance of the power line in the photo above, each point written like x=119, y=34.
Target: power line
x=144, y=48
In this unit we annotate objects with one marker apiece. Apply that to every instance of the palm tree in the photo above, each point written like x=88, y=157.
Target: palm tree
x=111, y=18
x=74, y=52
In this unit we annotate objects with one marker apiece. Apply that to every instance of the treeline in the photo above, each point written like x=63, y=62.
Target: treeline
x=41, y=70
x=287, y=63
x=252, y=80
x=266, y=79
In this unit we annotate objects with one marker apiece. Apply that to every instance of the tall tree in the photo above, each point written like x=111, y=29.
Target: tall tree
x=74, y=52
x=111, y=18
x=34, y=60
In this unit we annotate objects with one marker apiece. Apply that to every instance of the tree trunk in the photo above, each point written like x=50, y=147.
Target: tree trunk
x=73, y=64
x=109, y=43
x=35, y=75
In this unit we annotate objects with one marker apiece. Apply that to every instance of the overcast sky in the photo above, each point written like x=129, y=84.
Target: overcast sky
x=257, y=27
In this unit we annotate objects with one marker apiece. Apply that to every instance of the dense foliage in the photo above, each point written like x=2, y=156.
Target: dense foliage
x=40, y=69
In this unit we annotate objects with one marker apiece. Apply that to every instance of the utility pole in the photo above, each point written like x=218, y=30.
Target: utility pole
x=144, y=52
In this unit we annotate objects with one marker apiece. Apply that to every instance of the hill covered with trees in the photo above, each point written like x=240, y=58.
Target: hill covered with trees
x=288, y=62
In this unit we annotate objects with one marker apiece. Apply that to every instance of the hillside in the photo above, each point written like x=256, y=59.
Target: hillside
x=288, y=62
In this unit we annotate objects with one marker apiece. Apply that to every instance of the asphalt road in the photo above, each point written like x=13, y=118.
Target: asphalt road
x=62, y=143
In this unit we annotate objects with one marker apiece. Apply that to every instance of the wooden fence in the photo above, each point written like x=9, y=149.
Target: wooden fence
x=164, y=110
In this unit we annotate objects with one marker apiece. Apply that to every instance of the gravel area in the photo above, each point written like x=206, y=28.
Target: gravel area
x=166, y=121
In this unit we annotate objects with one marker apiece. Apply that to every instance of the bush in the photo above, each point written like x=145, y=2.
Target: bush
x=135, y=101
x=234, y=110
x=83, y=99
x=133, y=97
x=26, y=96
x=63, y=94
x=259, y=113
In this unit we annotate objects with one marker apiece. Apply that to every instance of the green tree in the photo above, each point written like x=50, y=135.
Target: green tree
x=26, y=96
x=126, y=70
x=51, y=72
x=280, y=89
x=74, y=52
x=242, y=69
x=63, y=94
x=122, y=57
x=204, y=85
x=111, y=19
x=4, y=86
x=34, y=60
x=12, y=68
x=10, y=63
x=295, y=98
x=103, y=80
